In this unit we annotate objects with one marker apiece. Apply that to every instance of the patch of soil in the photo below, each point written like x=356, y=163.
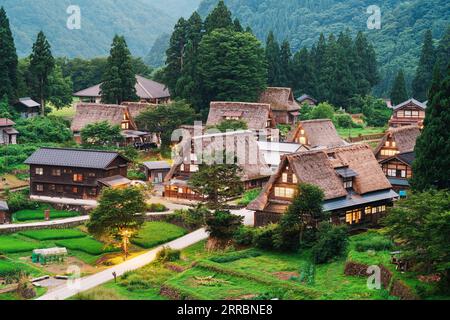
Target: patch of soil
x=429, y=278
x=174, y=267
x=285, y=275
x=61, y=269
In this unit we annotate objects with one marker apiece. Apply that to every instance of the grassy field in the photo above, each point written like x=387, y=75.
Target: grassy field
x=53, y=234
x=13, y=244
x=153, y=234
x=258, y=274
x=9, y=267
x=87, y=245
x=355, y=132
x=37, y=215
x=67, y=113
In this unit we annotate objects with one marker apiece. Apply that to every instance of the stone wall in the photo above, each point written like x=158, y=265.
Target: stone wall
x=65, y=225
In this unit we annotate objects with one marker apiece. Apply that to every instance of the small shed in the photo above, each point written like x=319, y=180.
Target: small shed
x=5, y=217
x=156, y=171
x=50, y=255
x=28, y=108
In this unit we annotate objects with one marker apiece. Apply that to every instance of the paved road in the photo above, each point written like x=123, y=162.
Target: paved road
x=97, y=279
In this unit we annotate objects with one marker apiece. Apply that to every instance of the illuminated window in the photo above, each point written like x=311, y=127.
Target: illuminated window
x=353, y=216
x=77, y=177
x=193, y=168
x=302, y=132
x=40, y=187
x=368, y=210
x=39, y=171
x=180, y=190
x=294, y=179
x=408, y=113
x=125, y=125
x=387, y=144
x=182, y=167
x=284, y=192
x=403, y=173
x=56, y=172
x=348, y=184
x=284, y=177
x=393, y=144
x=74, y=190
x=302, y=140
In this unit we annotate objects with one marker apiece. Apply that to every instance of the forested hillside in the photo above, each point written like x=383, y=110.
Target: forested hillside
x=397, y=43
x=141, y=21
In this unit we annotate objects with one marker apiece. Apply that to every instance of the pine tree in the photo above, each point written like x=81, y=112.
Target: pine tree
x=432, y=165
x=343, y=82
x=119, y=80
x=424, y=71
x=175, y=55
x=303, y=73
x=41, y=65
x=220, y=17
x=273, y=60
x=443, y=51
x=319, y=58
x=365, y=69
x=8, y=59
x=285, y=64
x=398, y=91
x=237, y=25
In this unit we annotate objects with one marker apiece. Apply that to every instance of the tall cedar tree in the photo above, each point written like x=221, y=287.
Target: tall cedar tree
x=303, y=75
x=285, y=64
x=273, y=58
x=119, y=80
x=41, y=66
x=175, y=55
x=220, y=17
x=231, y=66
x=443, y=51
x=8, y=59
x=424, y=72
x=432, y=165
x=398, y=91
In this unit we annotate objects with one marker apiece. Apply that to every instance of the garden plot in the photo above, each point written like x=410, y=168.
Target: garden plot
x=53, y=234
x=37, y=215
x=153, y=234
x=12, y=244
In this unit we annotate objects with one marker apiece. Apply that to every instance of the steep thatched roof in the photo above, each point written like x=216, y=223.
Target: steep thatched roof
x=136, y=108
x=318, y=167
x=256, y=115
x=240, y=144
x=404, y=137
x=280, y=99
x=320, y=133
x=89, y=113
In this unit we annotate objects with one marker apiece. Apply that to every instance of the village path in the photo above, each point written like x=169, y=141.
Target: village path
x=92, y=281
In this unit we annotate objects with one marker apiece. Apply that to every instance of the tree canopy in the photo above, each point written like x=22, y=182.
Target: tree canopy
x=398, y=91
x=101, y=134
x=8, y=59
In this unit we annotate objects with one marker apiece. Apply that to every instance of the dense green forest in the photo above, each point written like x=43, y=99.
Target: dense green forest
x=397, y=43
x=141, y=21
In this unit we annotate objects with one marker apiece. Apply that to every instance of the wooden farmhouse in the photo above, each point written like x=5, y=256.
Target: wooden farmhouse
x=156, y=171
x=147, y=90
x=285, y=109
x=8, y=135
x=258, y=117
x=397, y=140
x=315, y=133
x=90, y=113
x=410, y=112
x=307, y=99
x=356, y=190
x=5, y=216
x=75, y=173
x=396, y=154
x=27, y=108
x=196, y=150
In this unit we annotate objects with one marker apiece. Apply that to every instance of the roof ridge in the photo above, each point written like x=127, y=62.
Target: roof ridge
x=81, y=149
x=241, y=102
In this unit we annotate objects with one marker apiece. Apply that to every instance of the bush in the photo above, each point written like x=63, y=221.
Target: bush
x=98, y=294
x=136, y=175
x=244, y=236
x=167, y=254
x=264, y=236
x=12, y=270
x=53, y=234
x=19, y=201
x=234, y=256
x=222, y=224
x=331, y=242
x=192, y=218
x=249, y=196
x=344, y=121
x=376, y=243
x=156, y=207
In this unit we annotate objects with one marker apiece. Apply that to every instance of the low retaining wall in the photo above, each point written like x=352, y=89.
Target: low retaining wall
x=395, y=287
x=64, y=225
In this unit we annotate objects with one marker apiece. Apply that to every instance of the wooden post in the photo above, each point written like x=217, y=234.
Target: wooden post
x=47, y=215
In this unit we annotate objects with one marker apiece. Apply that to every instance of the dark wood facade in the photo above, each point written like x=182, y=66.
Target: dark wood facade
x=72, y=182
x=407, y=114
x=398, y=170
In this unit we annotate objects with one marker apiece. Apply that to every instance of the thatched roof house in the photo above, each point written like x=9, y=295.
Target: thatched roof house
x=89, y=113
x=258, y=116
x=397, y=140
x=349, y=176
x=284, y=107
x=316, y=133
x=240, y=145
x=136, y=108
x=147, y=90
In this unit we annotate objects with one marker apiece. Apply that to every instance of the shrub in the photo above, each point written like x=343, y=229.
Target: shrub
x=234, y=256
x=249, y=196
x=12, y=270
x=344, y=121
x=156, y=207
x=244, y=236
x=98, y=294
x=222, y=224
x=19, y=201
x=331, y=242
x=167, y=254
x=264, y=236
x=376, y=243
x=53, y=234
x=191, y=218
x=136, y=175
